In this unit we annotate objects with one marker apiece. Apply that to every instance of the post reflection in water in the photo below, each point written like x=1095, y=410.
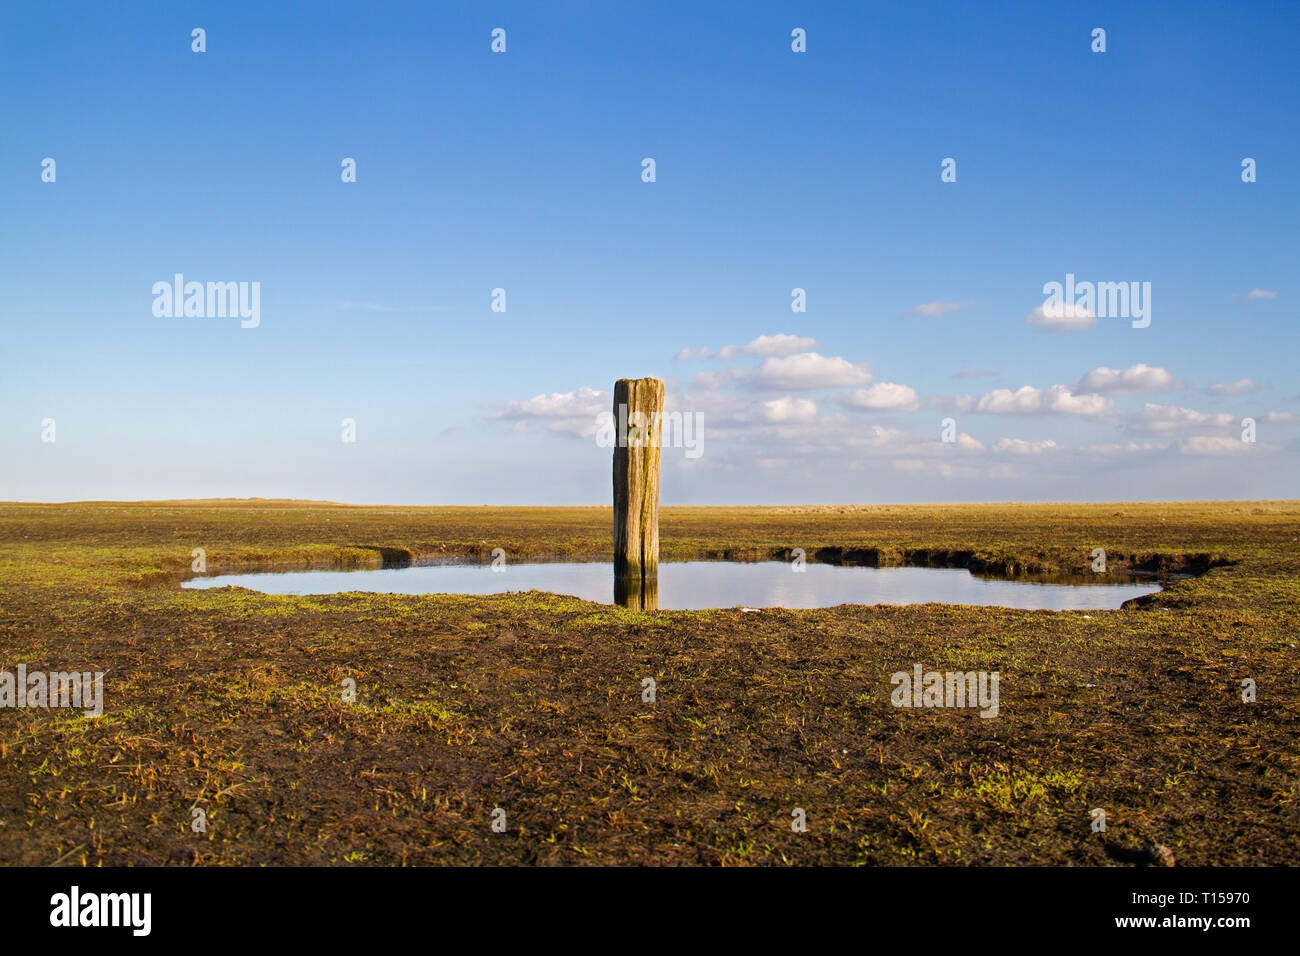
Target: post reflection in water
x=637, y=593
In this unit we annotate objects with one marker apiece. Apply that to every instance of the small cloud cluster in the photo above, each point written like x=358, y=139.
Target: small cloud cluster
x=1242, y=386
x=1062, y=317
x=791, y=405
x=808, y=370
x=1028, y=400
x=1174, y=419
x=884, y=397
x=780, y=344
x=1135, y=378
x=573, y=413
x=1018, y=446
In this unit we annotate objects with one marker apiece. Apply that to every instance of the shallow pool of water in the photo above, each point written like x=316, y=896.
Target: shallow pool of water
x=693, y=585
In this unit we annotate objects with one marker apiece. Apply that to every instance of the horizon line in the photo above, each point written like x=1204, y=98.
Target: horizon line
x=797, y=504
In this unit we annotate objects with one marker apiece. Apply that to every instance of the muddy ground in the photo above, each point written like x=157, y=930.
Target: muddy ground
x=227, y=707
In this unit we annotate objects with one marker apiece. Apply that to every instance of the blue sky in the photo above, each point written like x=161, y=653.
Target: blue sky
x=775, y=170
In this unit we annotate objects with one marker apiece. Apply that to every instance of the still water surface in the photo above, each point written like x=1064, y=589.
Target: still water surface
x=694, y=585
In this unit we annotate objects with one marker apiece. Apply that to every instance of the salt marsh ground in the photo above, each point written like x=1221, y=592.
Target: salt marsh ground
x=230, y=702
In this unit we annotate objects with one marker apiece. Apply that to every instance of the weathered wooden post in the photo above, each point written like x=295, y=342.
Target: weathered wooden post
x=638, y=417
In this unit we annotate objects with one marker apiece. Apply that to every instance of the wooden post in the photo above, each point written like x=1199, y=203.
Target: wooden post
x=638, y=421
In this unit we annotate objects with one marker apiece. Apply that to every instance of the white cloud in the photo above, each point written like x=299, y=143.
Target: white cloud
x=1062, y=316
x=1028, y=400
x=780, y=344
x=783, y=343
x=1135, y=378
x=685, y=355
x=1282, y=418
x=1261, y=294
x=1209, y=445
x=884, y=396
x=936, y=308
x=559, y=404
x=786, y=410
x=1018, y=446
x=573, y=413
x=1242, y=386
x=1060, y=399
x=808, y=370
x=974, y=373
x=1117, y=448
x=1165, y=419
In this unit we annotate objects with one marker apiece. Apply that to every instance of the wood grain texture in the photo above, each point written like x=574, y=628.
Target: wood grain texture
x=638, y=413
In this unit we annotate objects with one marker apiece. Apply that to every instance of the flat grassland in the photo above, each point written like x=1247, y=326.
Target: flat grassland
x=230, y=702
